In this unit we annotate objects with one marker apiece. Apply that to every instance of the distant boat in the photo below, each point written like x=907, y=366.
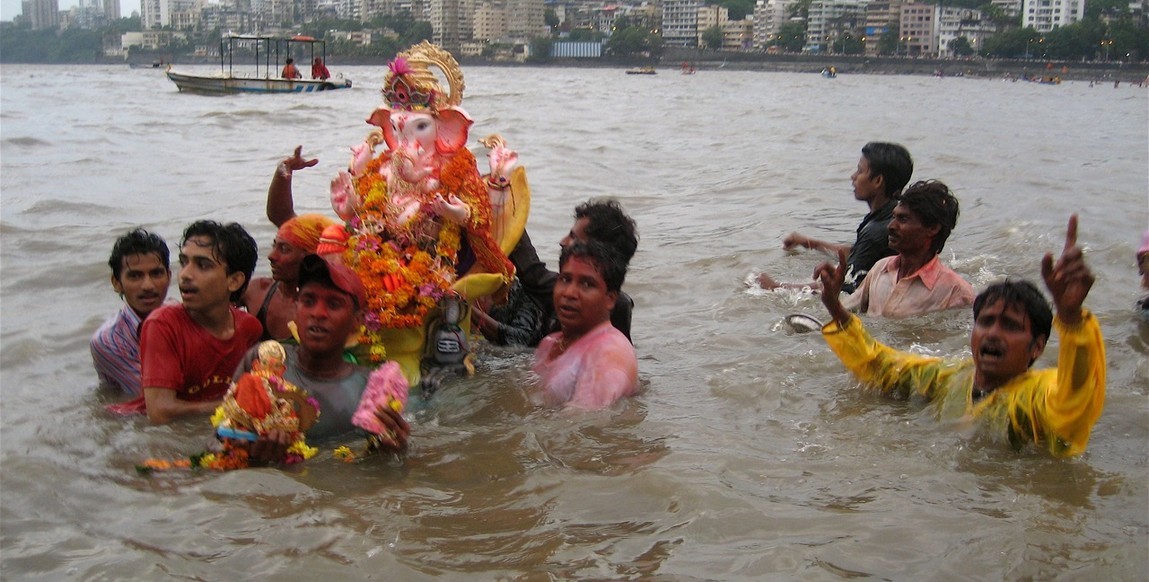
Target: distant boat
x=156, y=64
x=830, y=72
x=687, y=68
x=642, y=71
x=267, y=51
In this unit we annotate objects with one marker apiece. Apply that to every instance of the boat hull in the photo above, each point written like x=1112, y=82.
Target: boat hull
x=219, y=85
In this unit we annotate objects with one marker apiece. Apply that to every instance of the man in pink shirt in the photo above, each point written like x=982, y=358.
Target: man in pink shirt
x=588, y=364
x=915, y=281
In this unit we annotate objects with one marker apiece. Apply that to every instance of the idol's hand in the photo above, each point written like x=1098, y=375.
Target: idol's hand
x=450, y=208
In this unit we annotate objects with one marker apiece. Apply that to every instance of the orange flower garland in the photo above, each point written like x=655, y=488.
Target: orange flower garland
x=403, y=275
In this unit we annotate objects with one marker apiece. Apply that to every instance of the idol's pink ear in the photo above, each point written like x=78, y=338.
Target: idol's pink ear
x=452, y=130
x=381, y=118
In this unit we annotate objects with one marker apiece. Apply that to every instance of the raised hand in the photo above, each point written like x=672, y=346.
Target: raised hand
x=832, y=278
x=295, y=162
x=1069, y=279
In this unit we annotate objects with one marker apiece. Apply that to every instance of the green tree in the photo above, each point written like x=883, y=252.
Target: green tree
x=960, y=47
x=551, y=19
x=540, y=49
x=634, y=41
x=738, y=9
x=848, y=44
x=791, y=37
x=888, y=43
x=712, y=37
x=800, y=9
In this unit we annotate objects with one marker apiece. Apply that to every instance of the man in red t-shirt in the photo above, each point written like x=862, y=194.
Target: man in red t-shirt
x=188, y=352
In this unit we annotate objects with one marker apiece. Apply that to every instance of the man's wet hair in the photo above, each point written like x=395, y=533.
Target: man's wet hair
x=138, y=242
x=609, y=264
x=232, y=244
x=608, y=224
x=890, y=161
x=1021, y=293
x=933, y=203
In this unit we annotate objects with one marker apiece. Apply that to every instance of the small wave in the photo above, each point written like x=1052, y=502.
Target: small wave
x=27, y=142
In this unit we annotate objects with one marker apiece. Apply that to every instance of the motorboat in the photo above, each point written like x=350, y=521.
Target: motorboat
x=642, y=71
x=268, y=54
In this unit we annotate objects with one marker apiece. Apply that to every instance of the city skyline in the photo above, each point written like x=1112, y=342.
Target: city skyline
x=10, y=9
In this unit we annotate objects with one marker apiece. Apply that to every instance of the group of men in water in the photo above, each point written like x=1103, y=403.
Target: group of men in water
x=1012, y=320
x=179, y=359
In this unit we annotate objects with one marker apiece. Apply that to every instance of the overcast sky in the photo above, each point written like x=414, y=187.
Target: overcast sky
x=10, y=9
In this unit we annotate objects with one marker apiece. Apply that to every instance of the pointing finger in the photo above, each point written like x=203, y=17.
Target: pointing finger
x=1071, y=233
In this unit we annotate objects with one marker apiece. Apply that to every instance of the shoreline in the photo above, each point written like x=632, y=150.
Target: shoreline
x=705, y=60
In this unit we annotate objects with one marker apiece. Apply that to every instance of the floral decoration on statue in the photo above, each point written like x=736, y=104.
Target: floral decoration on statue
x=258, y=402
x=411, y=209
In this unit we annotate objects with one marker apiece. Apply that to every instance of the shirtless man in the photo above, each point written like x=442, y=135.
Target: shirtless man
x=589, y=363
x=272, y=300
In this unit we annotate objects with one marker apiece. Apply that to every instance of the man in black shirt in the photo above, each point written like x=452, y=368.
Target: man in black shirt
x=883, y=170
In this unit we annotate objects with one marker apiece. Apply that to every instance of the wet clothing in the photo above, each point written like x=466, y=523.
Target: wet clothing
x=1054, y=407
x=116, y=351
x=178, y=354
x=520, y=320
x=934, y=287
x=539, y=284
x=872, y=243
x=261, y=315
x=596, y=370
x=338, y=397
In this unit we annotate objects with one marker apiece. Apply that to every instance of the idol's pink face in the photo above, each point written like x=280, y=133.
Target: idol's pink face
x=581, y=299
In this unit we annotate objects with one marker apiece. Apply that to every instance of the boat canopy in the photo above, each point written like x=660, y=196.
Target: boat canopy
x=269, y=51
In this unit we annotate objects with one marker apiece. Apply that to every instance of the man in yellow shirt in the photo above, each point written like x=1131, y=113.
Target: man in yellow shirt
x=1055, y=408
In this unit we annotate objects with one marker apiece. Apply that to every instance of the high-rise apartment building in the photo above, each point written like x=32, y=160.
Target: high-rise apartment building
x=451, y=23
x=41, y=14
x=680, y=22
x=1046, y=15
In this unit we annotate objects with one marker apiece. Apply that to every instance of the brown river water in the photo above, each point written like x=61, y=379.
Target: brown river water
x=750, y=454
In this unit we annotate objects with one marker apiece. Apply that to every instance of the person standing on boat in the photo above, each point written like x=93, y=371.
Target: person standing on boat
x=883, y=170
x=290, y=71
x=141, y=274
x=319, y=71
x=272, y=300
x=189, y=351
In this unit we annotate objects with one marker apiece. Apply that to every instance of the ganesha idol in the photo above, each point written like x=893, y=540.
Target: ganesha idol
x=421, y=221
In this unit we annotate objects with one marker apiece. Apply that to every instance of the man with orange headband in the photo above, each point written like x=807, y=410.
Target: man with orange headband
x=272, y=300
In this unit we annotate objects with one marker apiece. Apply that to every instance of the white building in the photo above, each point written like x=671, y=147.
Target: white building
x=954, y=23
x=1046, y=15
x=831, y=19
x=769, y=16
x=680, y=22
